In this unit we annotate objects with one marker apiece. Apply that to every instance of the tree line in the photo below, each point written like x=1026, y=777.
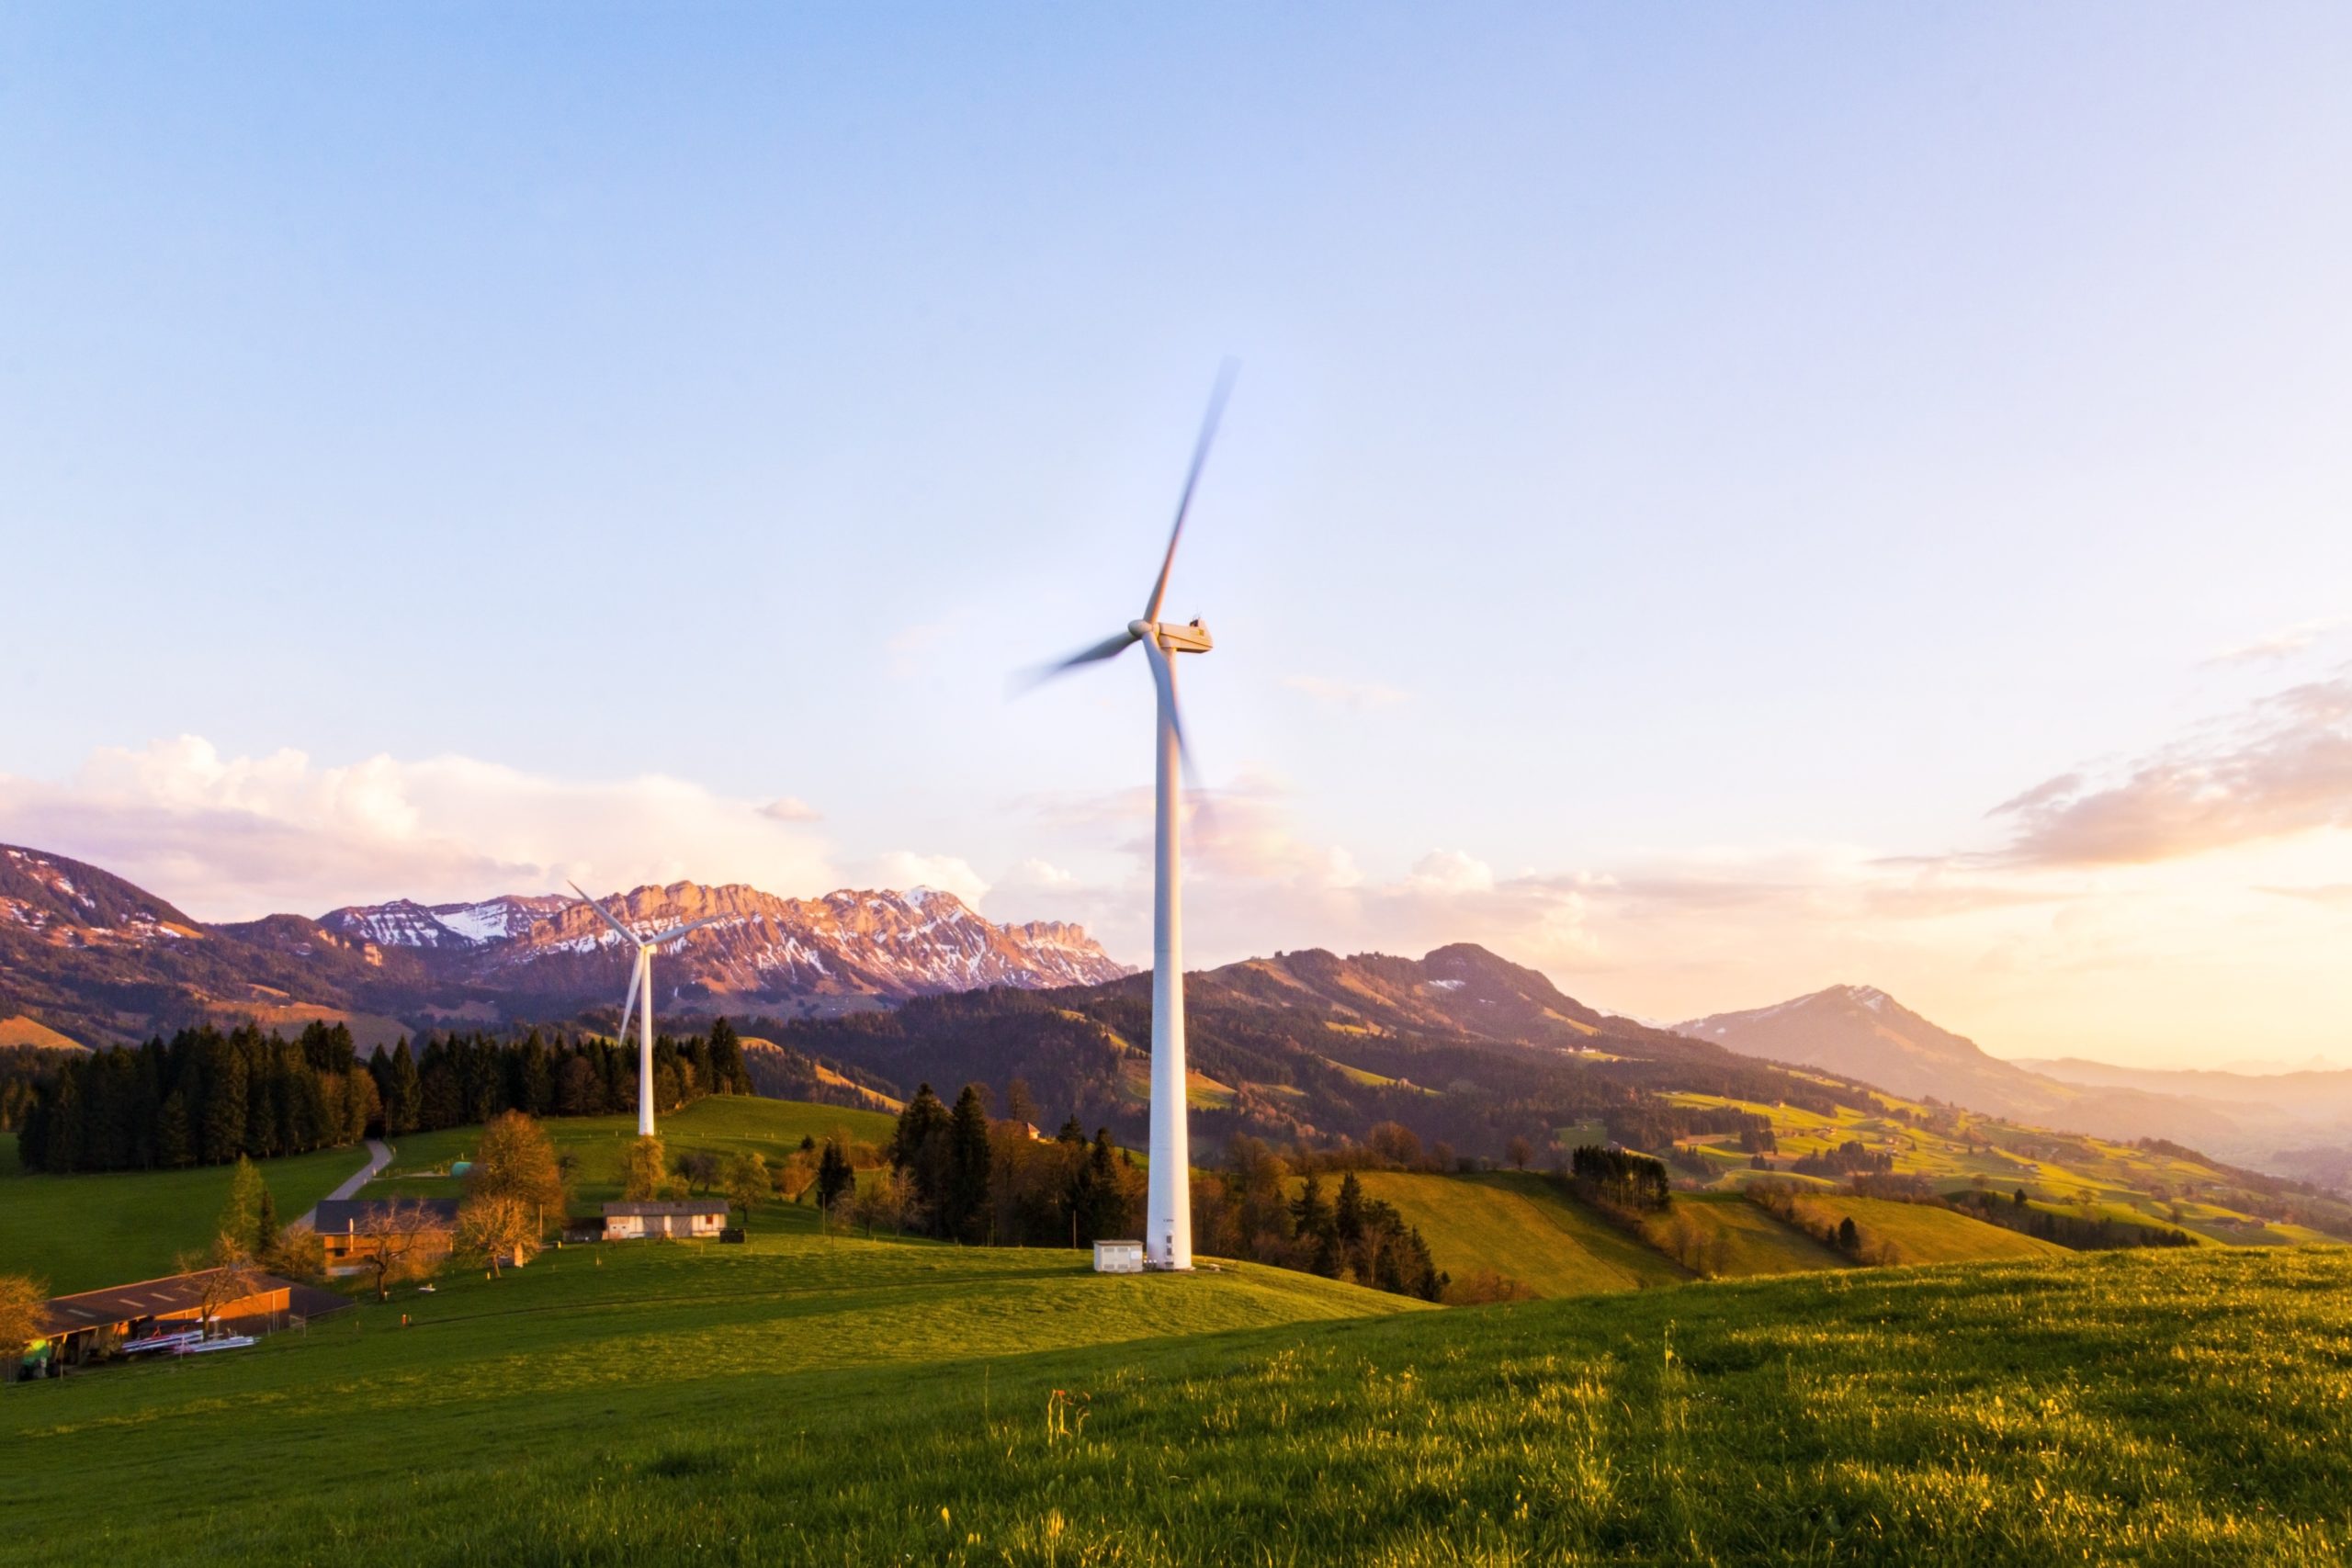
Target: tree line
x=209, y=1097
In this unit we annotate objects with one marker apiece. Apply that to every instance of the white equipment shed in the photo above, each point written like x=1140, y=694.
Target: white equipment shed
x=1118, y=1257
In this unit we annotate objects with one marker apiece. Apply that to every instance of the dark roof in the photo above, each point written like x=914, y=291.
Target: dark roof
x=148, y=1298
x=365, y=1216
x=706, y=1206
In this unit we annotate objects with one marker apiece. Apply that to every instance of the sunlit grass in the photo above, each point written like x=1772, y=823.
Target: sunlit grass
x=806, y=1402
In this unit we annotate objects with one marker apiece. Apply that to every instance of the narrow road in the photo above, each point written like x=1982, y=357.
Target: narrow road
x=380, y=1154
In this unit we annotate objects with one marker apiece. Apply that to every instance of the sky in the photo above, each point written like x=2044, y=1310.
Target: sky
x=1718, y=502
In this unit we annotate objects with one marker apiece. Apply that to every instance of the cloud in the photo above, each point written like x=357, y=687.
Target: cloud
x=2279, y=646
x=1362, y=695
x=2283, y=767
x=234, y=838
x=790, y=808
x=902, y=869
x=2334, y=895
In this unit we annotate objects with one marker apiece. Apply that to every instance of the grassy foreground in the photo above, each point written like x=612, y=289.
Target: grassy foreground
x=804, y=1401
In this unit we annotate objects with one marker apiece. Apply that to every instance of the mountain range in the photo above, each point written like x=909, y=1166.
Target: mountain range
x=89, y=955
x=886, y=988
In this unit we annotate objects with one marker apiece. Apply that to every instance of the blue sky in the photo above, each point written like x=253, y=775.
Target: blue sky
x=1690, y=465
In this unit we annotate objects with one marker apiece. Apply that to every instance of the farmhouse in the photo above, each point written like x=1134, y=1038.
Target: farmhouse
x=98, y=1325
x=631, y=1222
x=352, y=1230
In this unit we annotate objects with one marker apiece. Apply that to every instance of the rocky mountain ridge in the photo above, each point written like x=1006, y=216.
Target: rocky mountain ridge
x=88, y=954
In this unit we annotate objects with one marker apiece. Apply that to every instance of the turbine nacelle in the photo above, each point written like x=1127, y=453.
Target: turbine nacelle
x=1189, y=637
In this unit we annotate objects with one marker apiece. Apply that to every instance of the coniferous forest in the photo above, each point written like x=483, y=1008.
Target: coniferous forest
x=207, y=1097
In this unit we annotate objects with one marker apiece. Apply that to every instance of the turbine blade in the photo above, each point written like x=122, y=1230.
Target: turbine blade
x=1108, y=648
x=636, y=974
x=626, y=935
x=1163, y=673
x=1217, y=394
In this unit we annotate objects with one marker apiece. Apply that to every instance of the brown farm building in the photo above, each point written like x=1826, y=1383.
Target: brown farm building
x=79, y=1328
x=352, y=1230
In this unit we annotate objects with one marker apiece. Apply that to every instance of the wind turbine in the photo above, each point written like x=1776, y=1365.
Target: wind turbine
x=1167, y=1208
x=641, y=977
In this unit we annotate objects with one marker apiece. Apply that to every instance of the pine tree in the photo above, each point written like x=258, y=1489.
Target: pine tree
x=918, y=1147
x=265, y=1226
x=835, y=1176
x=223, y=1132
x=239, y=1219
x=967, y=1198
x=174, y=1147
x=1347, y=1216
x=1313, y=1215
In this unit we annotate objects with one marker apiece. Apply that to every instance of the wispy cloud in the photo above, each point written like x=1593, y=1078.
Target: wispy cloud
x=2283, y=767
x=2334, y=895
x=950, y=873
x=2283, y=644
x=1358, y=694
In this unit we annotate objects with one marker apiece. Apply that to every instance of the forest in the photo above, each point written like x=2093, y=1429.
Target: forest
x=207, y=1097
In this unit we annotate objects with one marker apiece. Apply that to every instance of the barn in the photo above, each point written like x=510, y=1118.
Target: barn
x=154, y=1315
x=352, y=1230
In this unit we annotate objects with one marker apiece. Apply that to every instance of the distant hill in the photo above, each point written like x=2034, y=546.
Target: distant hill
x=1860, y=1032
x=1460, y=1046
x=93, y=958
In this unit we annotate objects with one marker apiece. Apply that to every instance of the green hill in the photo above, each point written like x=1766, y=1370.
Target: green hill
x=1726, y=1237
x=1518, y=1226
x=81, y=1233
x=800, y=1400
x=1896, y=1232
x=721, y=1123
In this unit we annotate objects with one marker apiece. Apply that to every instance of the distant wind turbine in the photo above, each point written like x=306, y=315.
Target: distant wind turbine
x=641, y=977
x=1168, y=1225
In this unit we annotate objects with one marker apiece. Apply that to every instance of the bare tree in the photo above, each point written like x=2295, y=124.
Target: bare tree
x=499, y=1228
x=409, y=1245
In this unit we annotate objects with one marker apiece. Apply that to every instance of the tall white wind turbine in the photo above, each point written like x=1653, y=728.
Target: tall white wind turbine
x=640, y=978
x=1167, y=1223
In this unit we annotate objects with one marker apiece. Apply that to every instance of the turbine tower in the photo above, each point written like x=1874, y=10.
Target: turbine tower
x=1168, y=1225
x=641, y=977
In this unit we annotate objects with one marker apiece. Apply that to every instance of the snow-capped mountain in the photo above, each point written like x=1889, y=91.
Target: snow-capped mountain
x=401, y=923
x=87, y=953
x=796, y=953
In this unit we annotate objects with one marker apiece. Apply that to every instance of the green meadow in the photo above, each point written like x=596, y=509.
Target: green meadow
x=81, y=1233
x=599, y=1145
x=801, y=1400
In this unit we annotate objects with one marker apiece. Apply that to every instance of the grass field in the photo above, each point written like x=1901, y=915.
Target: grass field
x=1517, y=1226
x=723, y=1124
x=798, y=1401
x=81, y=1233
x=1916, y=1233
x=1746, y=1242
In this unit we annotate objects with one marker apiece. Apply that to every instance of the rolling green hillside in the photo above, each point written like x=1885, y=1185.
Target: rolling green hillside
x=1917, y=1233
x=81, y=1233
x=723, y=1124
x=1519, y=1227
x=804, y=1401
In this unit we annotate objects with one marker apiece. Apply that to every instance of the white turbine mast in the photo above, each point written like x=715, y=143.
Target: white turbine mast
x=640, y=978
x=1167, y=1209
